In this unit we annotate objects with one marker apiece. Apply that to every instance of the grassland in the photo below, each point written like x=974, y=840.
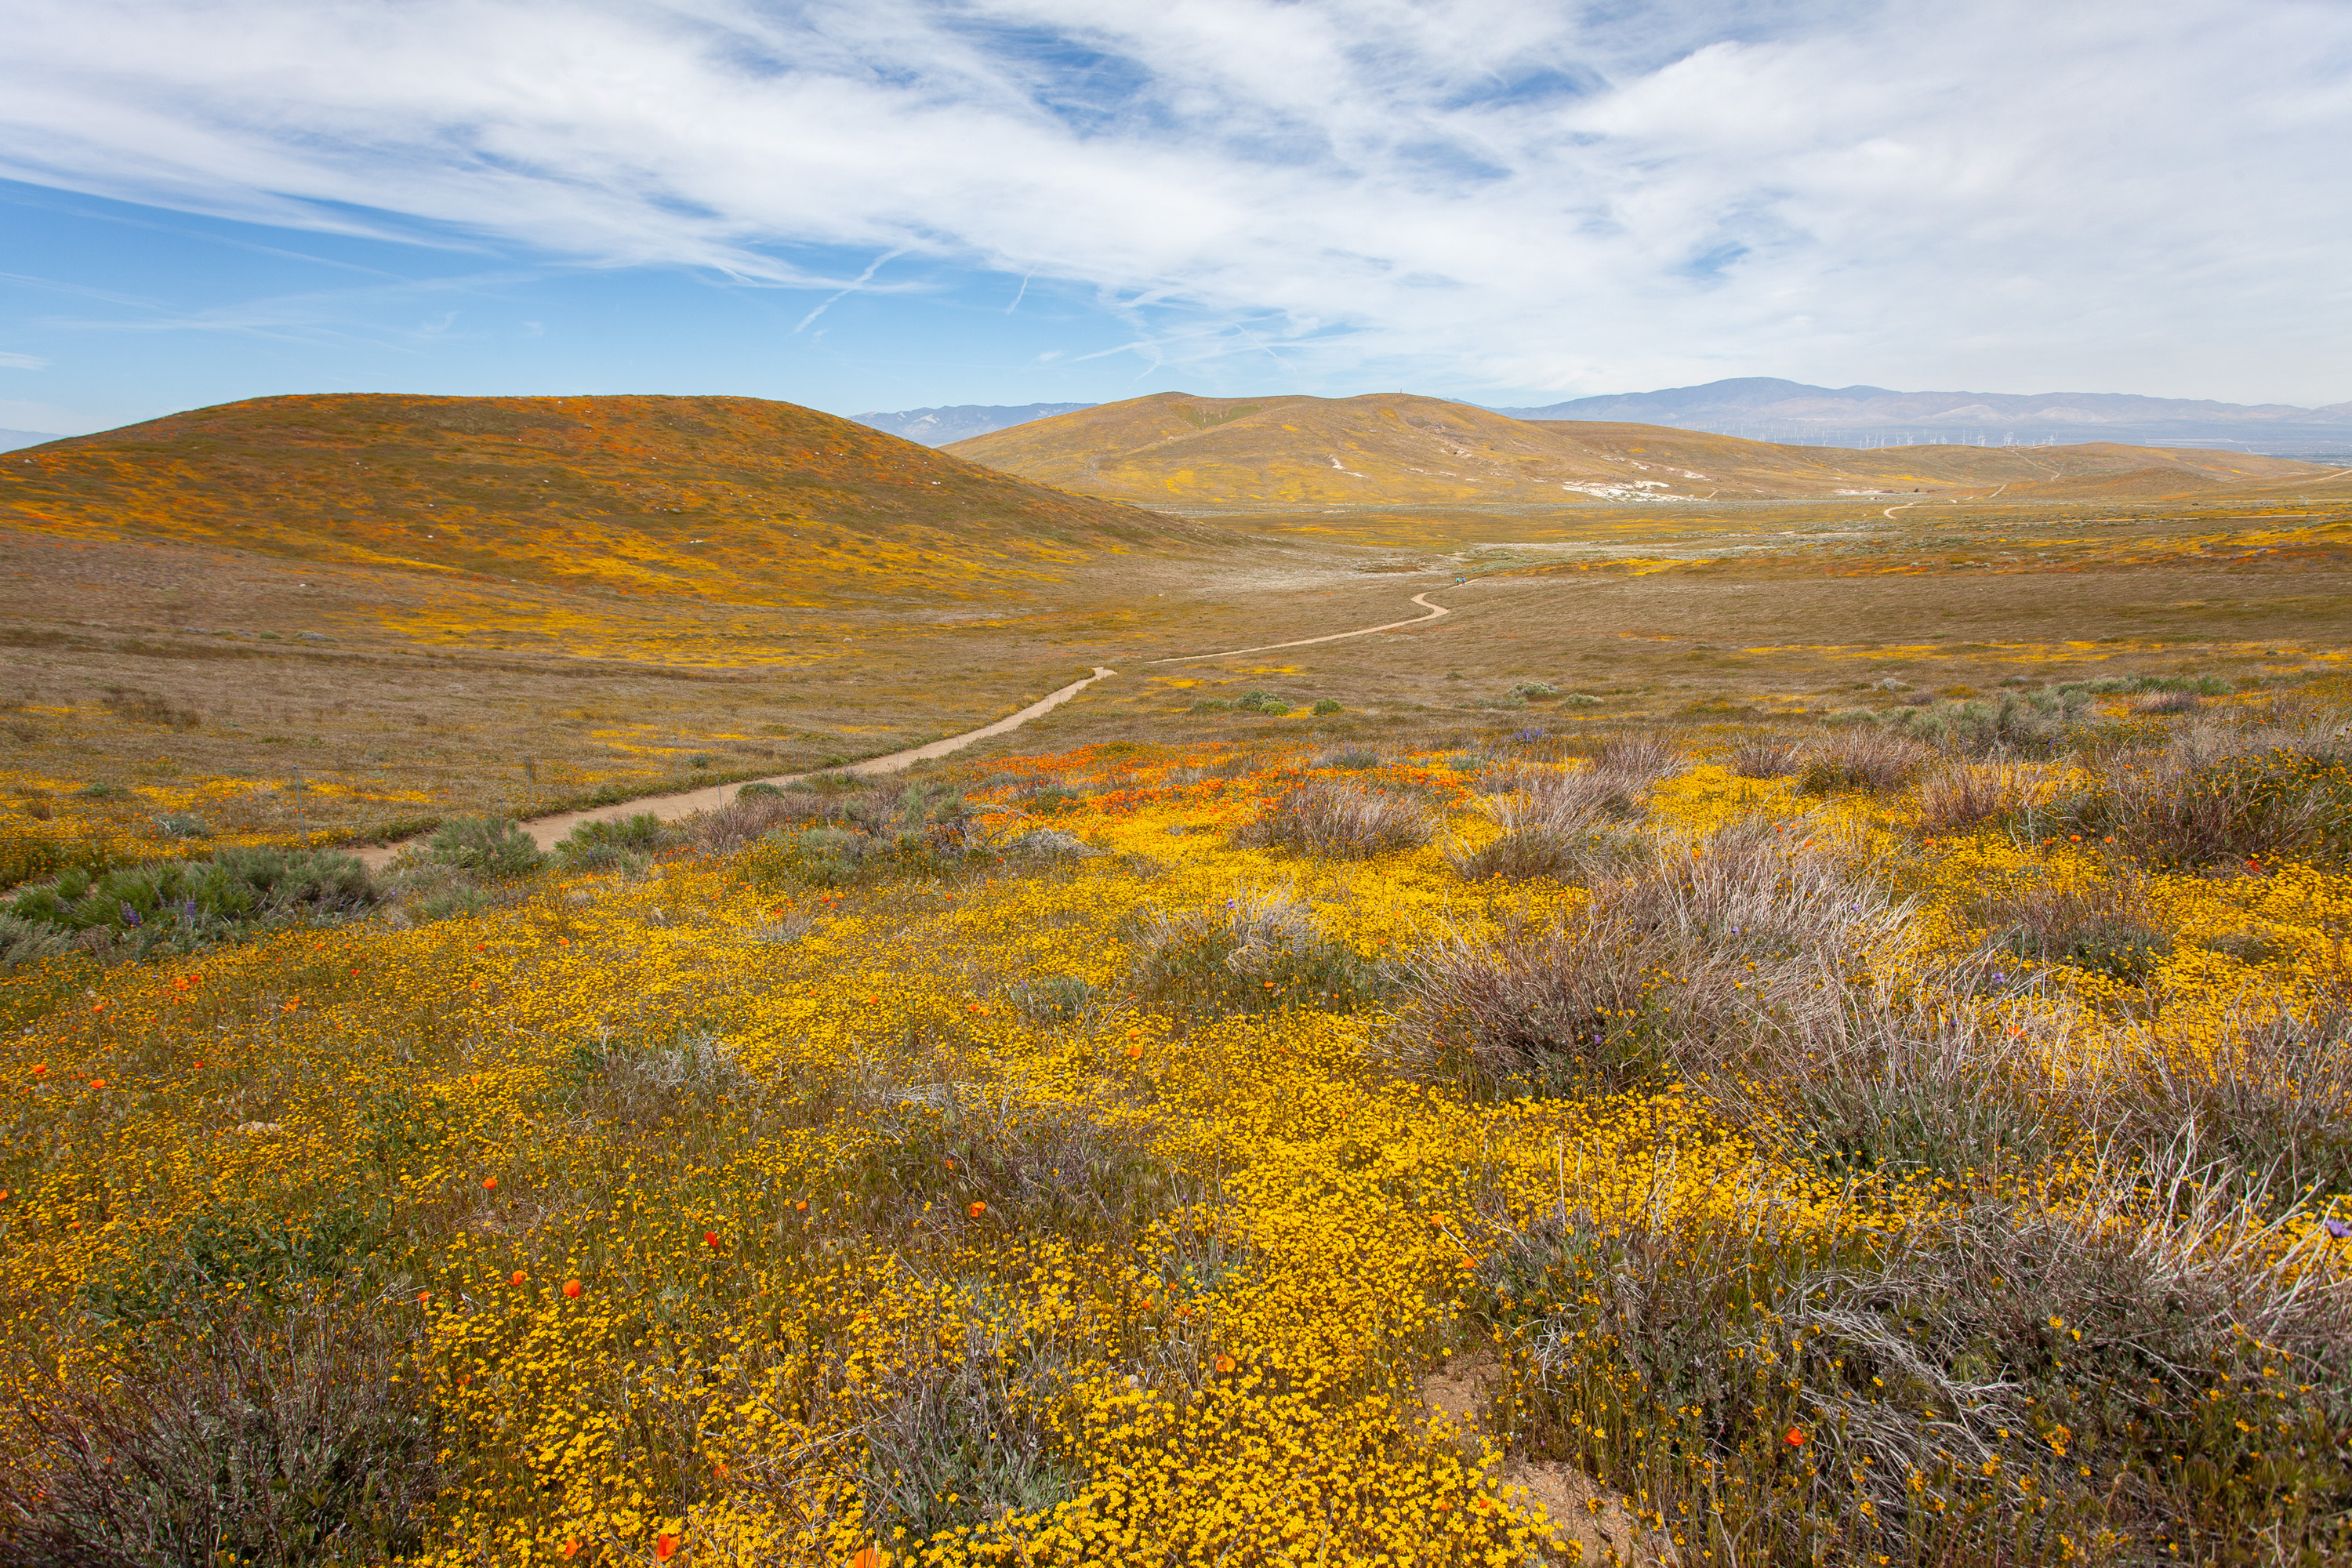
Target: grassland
x=341, y=617
x=1774, y=1033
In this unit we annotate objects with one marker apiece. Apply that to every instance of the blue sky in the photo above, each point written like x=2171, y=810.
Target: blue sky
x=884, y=204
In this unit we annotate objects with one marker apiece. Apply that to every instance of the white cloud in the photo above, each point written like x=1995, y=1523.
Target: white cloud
x=22, y=362
x=1465, y=193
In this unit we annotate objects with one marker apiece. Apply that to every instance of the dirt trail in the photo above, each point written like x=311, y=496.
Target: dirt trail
x=545, y=831
x=1435, y=611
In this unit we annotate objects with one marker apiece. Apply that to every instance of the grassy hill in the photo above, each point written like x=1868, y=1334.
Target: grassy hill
x=306, y=616
x=1392, y=449
x=726, y=497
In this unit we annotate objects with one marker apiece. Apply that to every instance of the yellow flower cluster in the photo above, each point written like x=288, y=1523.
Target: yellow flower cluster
x=779, y=1225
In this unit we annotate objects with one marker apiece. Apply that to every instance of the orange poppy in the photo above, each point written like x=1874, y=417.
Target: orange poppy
x=489, y=1184
x=977, y=1209
x=570, y=1547
x=518, y=1278
x=1226, y=1365
x=571, y=1290
x=867, y=1557
x=664, y=1548
x=711, y=1240
x=1793, y=1437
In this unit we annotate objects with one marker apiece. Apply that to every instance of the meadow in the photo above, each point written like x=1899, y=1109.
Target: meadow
x=1921, y=1142
x=1793, y=1032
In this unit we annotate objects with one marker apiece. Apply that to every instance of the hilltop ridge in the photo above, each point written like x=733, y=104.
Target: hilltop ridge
x=1172, y=449
x=726, y=497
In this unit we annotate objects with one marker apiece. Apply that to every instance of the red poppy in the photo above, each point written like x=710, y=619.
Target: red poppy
x=711, y=1240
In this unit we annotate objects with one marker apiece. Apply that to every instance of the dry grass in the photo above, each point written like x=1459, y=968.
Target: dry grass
x=1345, y=821
x=274, y=1443
x=1683, y=966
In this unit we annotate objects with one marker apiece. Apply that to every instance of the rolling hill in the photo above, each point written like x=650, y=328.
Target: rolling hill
x=727, y=498
x=1174, y=450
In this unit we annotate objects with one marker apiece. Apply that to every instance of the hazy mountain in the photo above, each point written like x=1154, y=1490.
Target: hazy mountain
x=12, y=439
x=1765, y=408
x=938, y=426
x=1174, y=450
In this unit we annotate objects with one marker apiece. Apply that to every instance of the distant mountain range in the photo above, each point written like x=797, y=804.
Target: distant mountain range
x=1765, y=408
x=938, y=426
x=12, y=439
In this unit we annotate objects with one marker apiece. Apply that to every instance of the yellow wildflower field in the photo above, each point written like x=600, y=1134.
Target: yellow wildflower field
x=1111, y=1188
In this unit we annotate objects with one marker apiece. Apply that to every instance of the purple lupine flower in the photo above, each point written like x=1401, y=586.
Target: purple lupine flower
x=2338, y=1228
x=129, y=915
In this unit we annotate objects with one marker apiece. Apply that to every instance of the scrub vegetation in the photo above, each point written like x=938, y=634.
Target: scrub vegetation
x=1096, y=1156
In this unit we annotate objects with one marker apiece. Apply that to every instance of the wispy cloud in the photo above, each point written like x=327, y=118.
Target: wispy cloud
x=1471, y=192
x=22, y=362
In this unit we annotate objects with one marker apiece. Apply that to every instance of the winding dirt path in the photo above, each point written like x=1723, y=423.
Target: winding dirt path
x=546, y=831
x=1435, y=611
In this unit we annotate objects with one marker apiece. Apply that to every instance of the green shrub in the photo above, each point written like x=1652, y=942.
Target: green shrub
x=2031, y=724
x=884, y=831
x=181, y=905
x=594, y=846
x=1327, y=705
x=1534, y=689
x=1259, y=950
x=183, y=825
x=484, y=845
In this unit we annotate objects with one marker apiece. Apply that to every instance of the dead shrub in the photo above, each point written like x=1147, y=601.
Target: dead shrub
x=1563, y=825
x=1345, y=821
x=1677, y=967
x=1869, y=760
x=1889, y=1084
x=246, y=1440
x=1958, y=796
x=2217, y=794
x=946, y=1155
x=2267, y=1096
x=1765, y=757
x=2028, y=1377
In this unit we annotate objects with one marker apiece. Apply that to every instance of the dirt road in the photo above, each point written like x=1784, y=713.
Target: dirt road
x=545, y=831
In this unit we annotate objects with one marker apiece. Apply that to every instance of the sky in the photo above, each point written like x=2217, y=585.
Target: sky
x=882, y=205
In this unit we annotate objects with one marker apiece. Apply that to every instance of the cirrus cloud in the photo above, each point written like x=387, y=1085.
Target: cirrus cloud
x=1459, y=192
